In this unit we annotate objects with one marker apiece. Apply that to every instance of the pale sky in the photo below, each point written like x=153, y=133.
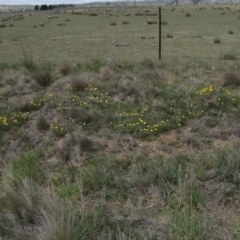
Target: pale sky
x=39, y=2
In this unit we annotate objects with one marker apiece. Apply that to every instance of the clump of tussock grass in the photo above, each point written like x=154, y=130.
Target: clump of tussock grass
x=217, y=41
x=28, y=60
x=125, y=22
x=79, y=83
x=106, y=73
x=66, y=69
x=211, y=122
x=42, y=123
x=152, y=92
x=230, y=32
x=169, y=35
x=164, y=23
x=229, y=56
x=188, y=15
x=25, y=205
x=113, y=23
x=149, y=74
x=189, y=223
x=92, y=66
x=148, y=63
x=86, y=144
x=43, y=75
x=231, y=79
x=67, y=20
x=25, y=106
x=3, y=25
x=41, y=25
x=19, y=203
x=60, y=221
x=65, y=150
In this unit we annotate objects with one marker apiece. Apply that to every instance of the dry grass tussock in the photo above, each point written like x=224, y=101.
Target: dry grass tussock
x=50, y=217
x=231, y=78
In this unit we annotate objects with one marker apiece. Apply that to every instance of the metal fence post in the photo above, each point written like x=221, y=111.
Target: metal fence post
x=160, y=33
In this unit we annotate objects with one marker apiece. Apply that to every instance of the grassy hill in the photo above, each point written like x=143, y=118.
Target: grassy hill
x=120, y=149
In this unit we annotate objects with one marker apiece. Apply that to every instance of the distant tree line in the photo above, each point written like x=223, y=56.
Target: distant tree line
x=50, y=7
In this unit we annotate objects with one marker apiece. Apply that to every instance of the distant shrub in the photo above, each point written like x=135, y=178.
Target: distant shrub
x=169, y=36
x=41, y=25
x=164, y=23
x=3, y=25
x=113, y=23
x=188, y=15
x=150, y=21
x=125, y=22
x=93, y=14
x=230, y=32
x=67, y=20
x=217, y=41
x=11, y=25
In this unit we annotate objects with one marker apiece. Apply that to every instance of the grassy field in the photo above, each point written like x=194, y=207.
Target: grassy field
x=115, y=144
x=79, y=35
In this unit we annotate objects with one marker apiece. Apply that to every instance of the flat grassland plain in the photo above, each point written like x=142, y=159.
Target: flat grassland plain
x=99, y=141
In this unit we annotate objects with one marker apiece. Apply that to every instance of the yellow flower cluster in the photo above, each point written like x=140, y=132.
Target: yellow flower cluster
x=95, y=97
x=12, y=119
x=39, y=100
x=203, y=90
x=142, y=121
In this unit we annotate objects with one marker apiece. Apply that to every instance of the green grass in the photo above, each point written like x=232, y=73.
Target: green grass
x=107, y=147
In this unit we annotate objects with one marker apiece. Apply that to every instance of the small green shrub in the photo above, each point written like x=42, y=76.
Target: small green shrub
x=92, y=14
x=230, y=32
x=217, y=41
x=169, y=36
x=150, y=22
x=94, y=65
x=125, y=22
x=189, y=225
x=188, y=15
